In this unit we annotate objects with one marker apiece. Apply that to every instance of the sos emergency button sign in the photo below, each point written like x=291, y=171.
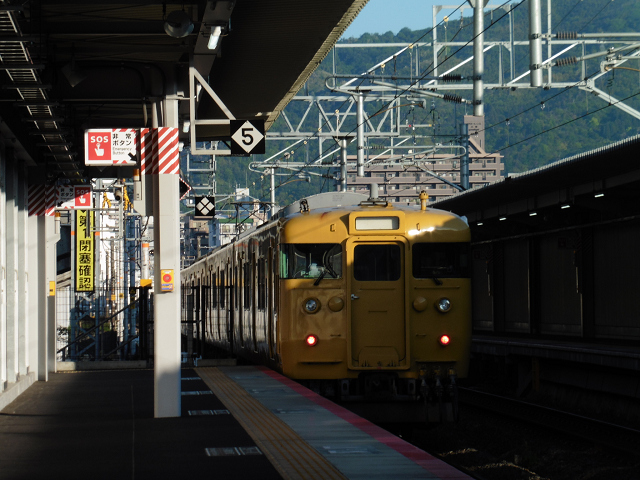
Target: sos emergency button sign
x=116, y=146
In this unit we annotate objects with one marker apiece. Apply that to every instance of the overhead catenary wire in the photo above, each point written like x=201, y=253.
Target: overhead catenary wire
x=567, y=122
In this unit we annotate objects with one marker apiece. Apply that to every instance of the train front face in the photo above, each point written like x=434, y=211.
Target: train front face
x=375, y=300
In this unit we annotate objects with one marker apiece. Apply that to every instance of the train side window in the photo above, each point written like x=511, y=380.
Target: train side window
x=311, y=260
x=262, y=285
x=222, y=288
x=440, y=260
x=377, y=263
x=246, y=281
x=214, y=290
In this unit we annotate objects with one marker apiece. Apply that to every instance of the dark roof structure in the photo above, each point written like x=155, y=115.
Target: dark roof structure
x=70, y=65
x=593, y=187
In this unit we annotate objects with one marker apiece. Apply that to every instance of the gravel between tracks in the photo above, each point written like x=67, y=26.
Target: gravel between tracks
x=492, y=448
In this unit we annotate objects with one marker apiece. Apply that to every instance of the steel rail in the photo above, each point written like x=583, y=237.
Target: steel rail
x=617, y=437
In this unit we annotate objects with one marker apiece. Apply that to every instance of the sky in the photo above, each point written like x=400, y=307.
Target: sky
x=380, y=16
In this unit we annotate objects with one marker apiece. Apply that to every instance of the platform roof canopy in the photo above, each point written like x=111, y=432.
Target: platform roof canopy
x=70, y=65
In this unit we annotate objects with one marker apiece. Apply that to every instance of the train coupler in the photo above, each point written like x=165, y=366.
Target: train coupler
x=440, y=395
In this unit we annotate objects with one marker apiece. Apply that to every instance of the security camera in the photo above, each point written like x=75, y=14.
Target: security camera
x=117, y=194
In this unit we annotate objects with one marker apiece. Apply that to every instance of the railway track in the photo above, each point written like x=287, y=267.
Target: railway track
x=607, y=434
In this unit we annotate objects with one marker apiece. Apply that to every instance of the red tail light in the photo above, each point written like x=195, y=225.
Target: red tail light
x=311, y=340
x=444, y=340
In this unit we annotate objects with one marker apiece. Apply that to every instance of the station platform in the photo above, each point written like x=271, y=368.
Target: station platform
x=239, y=422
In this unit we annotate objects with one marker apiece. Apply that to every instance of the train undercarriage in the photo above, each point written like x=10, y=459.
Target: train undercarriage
x=431, y=398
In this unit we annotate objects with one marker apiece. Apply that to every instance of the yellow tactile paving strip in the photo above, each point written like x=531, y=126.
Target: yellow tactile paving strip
x=287, y=451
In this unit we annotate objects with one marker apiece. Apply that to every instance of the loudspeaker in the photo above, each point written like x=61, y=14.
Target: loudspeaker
x=178, y=24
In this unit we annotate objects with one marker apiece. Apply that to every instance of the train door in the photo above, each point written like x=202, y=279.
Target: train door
x=270, y=292
x=378, y=336
x=252, y=300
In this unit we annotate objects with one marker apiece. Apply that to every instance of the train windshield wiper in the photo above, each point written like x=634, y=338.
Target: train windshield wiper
x=435, y=271
x=326, y=263
x=319, y=279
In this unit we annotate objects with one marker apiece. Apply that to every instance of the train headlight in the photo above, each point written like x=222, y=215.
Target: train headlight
x=311, y=305
x=443, y=305
x=311, y=340
x=420, y=304
x=335, y=304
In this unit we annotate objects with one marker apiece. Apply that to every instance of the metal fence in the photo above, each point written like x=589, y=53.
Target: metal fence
x=108, y=324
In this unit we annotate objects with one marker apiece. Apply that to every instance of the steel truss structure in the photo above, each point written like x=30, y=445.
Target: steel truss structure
x=352, y=113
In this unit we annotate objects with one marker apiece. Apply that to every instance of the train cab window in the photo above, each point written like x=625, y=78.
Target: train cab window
x=376, y=263
x=440, y=260
x=311, y=260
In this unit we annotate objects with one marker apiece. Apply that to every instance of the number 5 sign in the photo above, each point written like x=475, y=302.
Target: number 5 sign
x=247, y=137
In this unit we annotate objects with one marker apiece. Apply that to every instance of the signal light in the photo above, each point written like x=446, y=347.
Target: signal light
x=311, y=340
x=444, y=340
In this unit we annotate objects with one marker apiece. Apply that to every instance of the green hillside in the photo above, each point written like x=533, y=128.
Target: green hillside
x=529, y=127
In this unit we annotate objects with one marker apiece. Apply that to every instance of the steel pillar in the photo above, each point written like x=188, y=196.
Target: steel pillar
x=464, y=160
x=343, y=164
x=535, y=43
x=360, y=134
x=478, y=55
x=272, y=190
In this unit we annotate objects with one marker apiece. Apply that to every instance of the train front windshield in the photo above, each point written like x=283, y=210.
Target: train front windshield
x=440, y=260
x=311, y=260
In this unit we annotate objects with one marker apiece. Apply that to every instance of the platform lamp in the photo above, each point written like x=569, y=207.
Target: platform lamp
x=214, y=39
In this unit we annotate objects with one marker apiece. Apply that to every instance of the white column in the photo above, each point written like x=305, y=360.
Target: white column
x=3, y=273
x=11, y=273
x=51, y=273
x=34, y=288
x=166, y=231
x=23, y=268
x=41, y=296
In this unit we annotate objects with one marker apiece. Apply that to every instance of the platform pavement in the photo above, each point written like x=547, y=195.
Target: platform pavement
x=236, y=423
x=100, y=425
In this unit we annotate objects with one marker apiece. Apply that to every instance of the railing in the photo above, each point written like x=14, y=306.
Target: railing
x=87, y=332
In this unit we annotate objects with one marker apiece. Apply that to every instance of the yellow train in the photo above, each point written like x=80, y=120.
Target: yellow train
x=368, y=301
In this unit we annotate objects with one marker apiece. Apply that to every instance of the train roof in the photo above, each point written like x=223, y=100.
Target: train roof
x=324, y=200
x=372, y=217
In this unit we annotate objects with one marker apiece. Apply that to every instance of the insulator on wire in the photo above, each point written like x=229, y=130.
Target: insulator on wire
x=451, y=78
x=563, y=62
x=567, y=35
x=449, y=97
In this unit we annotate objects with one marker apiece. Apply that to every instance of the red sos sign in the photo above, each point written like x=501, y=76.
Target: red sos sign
x=82, y=197
x=98, y=146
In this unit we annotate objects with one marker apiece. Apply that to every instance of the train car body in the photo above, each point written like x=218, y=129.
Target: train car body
x=370, y=301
